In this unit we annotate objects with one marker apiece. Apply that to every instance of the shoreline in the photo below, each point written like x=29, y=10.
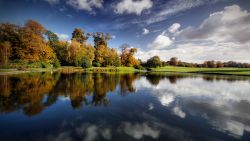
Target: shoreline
x=168, y=69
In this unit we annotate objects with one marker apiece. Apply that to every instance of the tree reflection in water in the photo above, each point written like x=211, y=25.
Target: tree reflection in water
x=33, y=92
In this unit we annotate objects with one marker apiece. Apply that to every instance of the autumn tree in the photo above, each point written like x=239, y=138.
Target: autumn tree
x=10, y=33
x=35, y=27
x=79, y=35
x=33, y=47
x=5, y=52
x=127, y=56
x=101, y=39
x=104, y=56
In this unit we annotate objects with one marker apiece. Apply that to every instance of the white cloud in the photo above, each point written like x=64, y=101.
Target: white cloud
x=91, y=132
x=160, y=42
x=223, y=103
x=173, y=7
x=52, y=2
x=87, y=5
x=223, y=36
x=229, y=25
x=62, y=36
x=174, y=28
x=138, y=131
x=132, y=6
x=145, y=31
x=177, y=111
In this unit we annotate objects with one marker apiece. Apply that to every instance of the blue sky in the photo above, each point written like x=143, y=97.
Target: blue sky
x=192, y=30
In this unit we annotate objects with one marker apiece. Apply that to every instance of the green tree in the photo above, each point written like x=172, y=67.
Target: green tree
x=154, y=62
x=52, y=39
x=173, y=61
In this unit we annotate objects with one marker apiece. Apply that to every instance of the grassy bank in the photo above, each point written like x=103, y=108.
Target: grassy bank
x=70, y=69
x=112, y=69
x=225, y=71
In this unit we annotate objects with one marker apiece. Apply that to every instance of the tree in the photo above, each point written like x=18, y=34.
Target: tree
x=104, y=56
x=52, y=38
x=101, y=38
x=10, y=33
x=219, y=64
x=211, y=64
x=89, y=55
x=5, y=52
x=154, y=62
x=78, y=35
x=173, y=61
x=35, y=27
x=127, y=56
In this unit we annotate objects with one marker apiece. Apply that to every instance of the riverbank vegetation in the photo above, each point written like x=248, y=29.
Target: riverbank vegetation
x=33, y=46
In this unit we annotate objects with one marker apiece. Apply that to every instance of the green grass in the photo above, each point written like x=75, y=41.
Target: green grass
x=170, y=69
x=112, y=69
x=226, y=71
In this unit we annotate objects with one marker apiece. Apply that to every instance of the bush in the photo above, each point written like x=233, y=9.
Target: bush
x=57, y=63
x=96, y=64
x=46, y=65
x=139, y=67
x=85, y=63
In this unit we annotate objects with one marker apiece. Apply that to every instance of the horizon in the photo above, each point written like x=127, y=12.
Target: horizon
x=193, y=31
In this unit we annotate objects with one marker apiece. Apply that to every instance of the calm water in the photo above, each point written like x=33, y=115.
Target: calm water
x=93, y=107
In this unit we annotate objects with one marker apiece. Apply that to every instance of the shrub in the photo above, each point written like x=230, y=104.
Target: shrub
x=96, y=64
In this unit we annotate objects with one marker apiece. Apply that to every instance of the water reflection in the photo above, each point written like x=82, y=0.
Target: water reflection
x=33, y=92
x=99, y=106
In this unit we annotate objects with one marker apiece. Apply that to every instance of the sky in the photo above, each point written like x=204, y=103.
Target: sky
x=192, y=30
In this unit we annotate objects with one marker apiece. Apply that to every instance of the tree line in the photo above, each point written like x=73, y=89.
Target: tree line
x=35, y=45
x=32, y=45
x=155, y=61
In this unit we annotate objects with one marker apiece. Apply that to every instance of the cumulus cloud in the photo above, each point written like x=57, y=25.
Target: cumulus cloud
x=177, y=111
x=91, y=132
x=224, y=104
x=173, y=7
x=138, y=131
x=62, y=36
x=229, y=25
x=160, y=42
x=223, y=36
x=133, y=6
x=87, y=5
x=145, y=31
x=174, y=28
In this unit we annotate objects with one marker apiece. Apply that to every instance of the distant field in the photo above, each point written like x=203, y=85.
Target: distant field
x=228, y=71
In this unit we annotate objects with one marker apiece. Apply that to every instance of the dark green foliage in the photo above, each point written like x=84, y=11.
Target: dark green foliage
x=85, y=63
x=52, y=38
x=96, y=64
x=154, y=62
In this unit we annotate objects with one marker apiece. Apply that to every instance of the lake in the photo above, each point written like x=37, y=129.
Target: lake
x=124, y=107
